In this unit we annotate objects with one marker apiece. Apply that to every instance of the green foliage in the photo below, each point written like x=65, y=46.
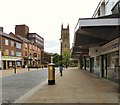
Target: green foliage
x=56, y=60
x=66, y=57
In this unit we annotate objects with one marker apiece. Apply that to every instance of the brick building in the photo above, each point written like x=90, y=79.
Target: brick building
x=36, y=44
x=21, y=49
x=11, y=51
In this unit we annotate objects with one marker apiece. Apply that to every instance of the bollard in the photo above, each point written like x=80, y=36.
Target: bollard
x=51, y=74
x=14, y=70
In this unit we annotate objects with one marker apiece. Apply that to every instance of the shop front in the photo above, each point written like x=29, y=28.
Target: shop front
x=9, y=61
x=102, y=37
x=0, y=61
x=95, y=60
x=110, y=59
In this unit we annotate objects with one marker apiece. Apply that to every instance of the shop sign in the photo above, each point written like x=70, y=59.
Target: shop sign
x=10, y=58
x=110, y=47
x=94, y=51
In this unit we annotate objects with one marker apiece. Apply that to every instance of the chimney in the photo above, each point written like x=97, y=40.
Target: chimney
x=1, y=29
x=22, y=30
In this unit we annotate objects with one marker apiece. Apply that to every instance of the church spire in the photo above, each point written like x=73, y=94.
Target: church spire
x=62, y=26
x=68, y=26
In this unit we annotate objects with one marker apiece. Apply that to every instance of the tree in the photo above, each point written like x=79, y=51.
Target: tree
x=56, y=60
x=66, y=57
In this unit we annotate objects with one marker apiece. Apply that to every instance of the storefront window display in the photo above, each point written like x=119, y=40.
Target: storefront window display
x=111, y=65
x=97, y=66
x=88, y=63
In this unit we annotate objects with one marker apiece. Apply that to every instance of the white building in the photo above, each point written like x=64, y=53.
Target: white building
x=107, y=7
x=0, y=52
x=101, y=36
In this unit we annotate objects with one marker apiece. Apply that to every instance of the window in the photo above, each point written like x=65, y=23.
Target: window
x=99, y=12
x=30, y=46
x=12, y=43
x=6, y=42
x=7, y=52
x=12, y=52
x=65, y=45
x=18, y=45
x=25, y=45
x=0, y=44
x=106, y=1
x=18, y=54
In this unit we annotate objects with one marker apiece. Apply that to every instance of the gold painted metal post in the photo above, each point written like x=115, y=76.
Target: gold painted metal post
x=51, y=74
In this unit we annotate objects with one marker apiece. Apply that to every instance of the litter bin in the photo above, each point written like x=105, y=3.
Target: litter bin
x=51, y=74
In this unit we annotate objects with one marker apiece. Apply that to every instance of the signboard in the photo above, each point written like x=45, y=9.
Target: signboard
x=110, y=47
x=11, y=58
x=107, y=48
x=94, y=51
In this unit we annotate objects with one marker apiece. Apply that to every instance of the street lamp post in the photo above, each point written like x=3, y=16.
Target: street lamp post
x=29, y=63
x=15, y=67
x=61, y=55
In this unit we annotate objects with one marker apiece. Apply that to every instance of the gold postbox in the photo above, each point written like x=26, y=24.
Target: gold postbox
x=51, y=74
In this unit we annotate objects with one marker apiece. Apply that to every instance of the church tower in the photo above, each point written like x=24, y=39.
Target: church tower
x=65, y=37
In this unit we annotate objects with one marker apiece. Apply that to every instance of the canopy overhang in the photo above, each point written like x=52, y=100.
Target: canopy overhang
x=92, y=32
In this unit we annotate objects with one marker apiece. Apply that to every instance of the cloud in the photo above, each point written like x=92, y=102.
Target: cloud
x=52, y=46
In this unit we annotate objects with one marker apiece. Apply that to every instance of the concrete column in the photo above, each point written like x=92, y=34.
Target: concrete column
x=91, y=65
x=119, y=51
x=2, y=64
x=79, y=64
x=101, y=64
x=84, y=63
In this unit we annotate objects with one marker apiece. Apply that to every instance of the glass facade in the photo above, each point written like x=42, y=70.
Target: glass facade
x=112, y=61
x=97, y=66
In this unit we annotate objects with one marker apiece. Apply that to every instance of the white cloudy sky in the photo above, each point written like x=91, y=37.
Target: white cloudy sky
x=45, y=17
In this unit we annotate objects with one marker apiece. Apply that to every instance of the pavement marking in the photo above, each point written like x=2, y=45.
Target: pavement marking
x=32, y=91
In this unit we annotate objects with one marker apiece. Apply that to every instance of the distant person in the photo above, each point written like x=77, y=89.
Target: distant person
x=61, y=68
x=66, y=66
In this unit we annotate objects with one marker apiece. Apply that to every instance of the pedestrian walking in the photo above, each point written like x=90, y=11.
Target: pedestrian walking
x=61, y=68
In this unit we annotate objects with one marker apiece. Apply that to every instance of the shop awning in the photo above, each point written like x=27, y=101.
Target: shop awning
x=96, y=31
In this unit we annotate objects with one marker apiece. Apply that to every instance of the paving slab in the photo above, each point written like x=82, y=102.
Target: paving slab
x=75, y=86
